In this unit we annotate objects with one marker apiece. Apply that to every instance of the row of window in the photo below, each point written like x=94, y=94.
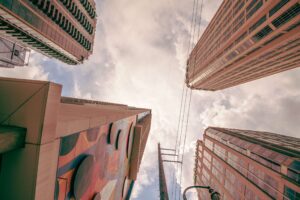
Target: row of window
x=252, y=8
x=64, y=23
x=262, y=68
x=28, y=39
x=81, y=18
x=263, y=180
x=235, y=187
x=261, y=154
x=258, y=177
x=88, y=7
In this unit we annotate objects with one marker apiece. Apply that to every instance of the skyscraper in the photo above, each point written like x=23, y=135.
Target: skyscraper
x=246, y=40
x=73, y=148
x=242, y=164
x=63, y=29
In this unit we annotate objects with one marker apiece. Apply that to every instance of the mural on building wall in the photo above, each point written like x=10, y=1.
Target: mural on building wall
x=94, y=164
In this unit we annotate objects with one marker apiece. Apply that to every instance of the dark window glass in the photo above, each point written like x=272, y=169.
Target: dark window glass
x=287, y=16
x=263, y=33
x=258, y=23
x=290, y=194
x=295, y=165
x=278, y=7
x=258, y=5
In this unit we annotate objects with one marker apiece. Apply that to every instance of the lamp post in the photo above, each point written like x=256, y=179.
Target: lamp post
x=213, y=194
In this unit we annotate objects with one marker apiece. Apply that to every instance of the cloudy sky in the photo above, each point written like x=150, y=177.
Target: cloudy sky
x=139, y=59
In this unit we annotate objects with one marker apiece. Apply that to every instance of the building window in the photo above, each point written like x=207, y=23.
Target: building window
x=264, y=181
x=251, y=12
x=287, y=16
x=250, y=195
x=207, y=155
x=206, y=163
x=206, y=175
x=262, y=33
x=218, y=175
x=258, y=23
x=290, y=194
x=208, y=144
x=218, y=165
x=278, y=7
x=294, y=175
x=221, y=152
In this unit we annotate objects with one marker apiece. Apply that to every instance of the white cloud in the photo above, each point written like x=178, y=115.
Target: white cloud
x=33, y=71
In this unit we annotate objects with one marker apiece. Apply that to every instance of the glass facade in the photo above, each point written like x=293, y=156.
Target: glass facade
x=61, y=29
x=241, y=38
x=243, y=165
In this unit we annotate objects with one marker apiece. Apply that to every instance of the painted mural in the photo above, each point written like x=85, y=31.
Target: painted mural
x=94, y=164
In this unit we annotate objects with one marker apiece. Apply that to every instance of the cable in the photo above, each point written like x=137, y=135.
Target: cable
x=173, y=174
x=185, y=98
x=191, y=91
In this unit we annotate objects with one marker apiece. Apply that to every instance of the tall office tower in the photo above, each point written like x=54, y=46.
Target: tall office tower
x=55, y=147
x=63, y=29
x=246, y=40
x=248, y=165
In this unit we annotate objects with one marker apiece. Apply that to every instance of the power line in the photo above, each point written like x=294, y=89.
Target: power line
x=173, y=175
x=192, y=28
x=191, y=92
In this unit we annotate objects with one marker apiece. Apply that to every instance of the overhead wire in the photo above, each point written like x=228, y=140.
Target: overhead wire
x=179, y=119
x=182, y=114
x=191, y=91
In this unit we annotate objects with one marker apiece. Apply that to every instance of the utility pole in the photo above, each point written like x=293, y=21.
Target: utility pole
x=162, y=179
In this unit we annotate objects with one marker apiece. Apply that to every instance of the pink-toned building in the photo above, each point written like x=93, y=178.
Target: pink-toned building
x=250, y=165
x=246, y=40
x=69, y=148
x=62, y=29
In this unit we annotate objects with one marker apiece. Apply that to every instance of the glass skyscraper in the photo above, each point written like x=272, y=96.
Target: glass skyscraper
x=244, y=164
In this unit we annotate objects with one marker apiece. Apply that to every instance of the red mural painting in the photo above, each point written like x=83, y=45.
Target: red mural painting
x=94, y=164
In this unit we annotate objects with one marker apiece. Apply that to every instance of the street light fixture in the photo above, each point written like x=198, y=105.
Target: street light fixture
x=213, y=194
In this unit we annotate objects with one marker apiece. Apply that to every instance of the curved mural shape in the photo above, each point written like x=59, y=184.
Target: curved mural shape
x=93, y=166
x=92, y=134
x=83, y=176
x=129, y=140
x=68, y=143
x=118, y=138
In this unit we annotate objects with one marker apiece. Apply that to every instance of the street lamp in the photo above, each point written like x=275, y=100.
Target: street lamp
x=213, y=194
